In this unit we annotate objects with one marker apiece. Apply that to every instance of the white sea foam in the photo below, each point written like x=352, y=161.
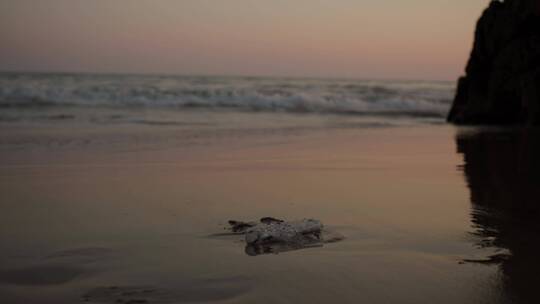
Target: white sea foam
x=422, y=99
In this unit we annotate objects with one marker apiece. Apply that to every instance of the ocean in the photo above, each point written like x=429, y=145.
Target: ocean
x=161, y=100
x=119, y=189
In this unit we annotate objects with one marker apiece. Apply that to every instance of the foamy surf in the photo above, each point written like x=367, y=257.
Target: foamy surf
x=319, y=96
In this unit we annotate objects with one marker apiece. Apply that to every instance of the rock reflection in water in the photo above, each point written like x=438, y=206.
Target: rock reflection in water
x=502, y=170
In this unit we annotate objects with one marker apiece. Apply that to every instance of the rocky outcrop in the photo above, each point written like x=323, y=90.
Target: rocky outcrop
x=502, y=81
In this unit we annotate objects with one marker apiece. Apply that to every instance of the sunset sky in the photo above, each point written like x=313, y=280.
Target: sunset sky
x=396, y=39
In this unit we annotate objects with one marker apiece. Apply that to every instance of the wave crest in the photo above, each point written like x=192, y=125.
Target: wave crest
x=425, y=99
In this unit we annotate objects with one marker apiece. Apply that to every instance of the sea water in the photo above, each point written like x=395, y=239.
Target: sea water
x=118, y=188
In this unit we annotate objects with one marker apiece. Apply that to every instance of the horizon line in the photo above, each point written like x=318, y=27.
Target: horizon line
x=232, y=75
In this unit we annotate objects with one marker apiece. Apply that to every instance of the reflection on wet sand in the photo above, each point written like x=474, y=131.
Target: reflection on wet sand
x=502, y=170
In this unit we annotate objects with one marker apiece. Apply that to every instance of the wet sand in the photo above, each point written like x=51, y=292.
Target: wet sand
x=124, y=214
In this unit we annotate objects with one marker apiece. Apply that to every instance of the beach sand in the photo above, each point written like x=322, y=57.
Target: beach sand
x=119, y=213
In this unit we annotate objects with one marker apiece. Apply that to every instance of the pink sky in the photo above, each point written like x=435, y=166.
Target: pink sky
x=415, y=39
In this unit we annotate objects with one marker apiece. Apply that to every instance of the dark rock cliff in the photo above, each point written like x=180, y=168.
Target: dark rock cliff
x=502, y=81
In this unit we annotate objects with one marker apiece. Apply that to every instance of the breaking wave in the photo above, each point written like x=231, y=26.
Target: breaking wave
x=354, y=97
